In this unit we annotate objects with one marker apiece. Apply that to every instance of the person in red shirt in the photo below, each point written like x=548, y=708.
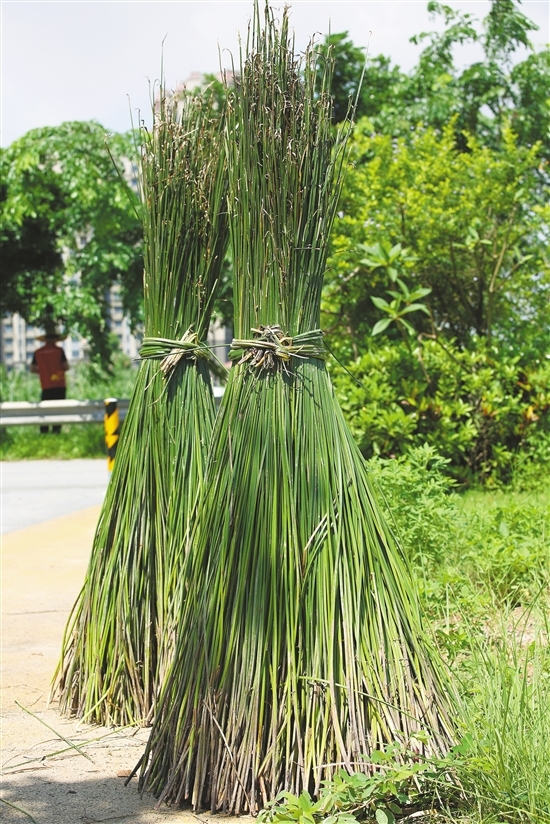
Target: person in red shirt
x=50, y=364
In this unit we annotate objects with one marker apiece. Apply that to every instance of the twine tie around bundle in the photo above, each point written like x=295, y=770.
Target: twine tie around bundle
x=271, y=348
x=170, y=352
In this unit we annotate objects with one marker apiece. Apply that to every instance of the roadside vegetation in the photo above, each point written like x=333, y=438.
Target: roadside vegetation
x=482, y=564
x=436, y=309
x=85, y=381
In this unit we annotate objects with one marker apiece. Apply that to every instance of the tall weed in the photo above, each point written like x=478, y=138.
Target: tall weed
x=505, y=716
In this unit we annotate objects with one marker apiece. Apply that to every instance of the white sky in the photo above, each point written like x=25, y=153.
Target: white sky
x=83, y=59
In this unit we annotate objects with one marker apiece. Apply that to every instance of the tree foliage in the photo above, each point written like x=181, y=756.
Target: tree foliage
x=467, y=225
x=482, y=97
x=438, y=287
x=69, y=228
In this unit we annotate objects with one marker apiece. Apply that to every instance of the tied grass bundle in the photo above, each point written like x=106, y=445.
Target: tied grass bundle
x=300, y=647
x=120, y=632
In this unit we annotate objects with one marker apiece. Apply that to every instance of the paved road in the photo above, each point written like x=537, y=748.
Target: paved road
x=43, y=570
x=37, y=491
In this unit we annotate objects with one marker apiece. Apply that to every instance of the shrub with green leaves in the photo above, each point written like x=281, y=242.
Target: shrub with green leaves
x=483, y=410
x=474, y=226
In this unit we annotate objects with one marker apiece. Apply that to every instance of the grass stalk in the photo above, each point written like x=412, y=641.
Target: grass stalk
x=119, y=635
x=303, y=627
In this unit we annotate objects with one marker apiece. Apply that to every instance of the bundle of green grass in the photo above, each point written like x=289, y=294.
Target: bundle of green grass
x=300, y=645
x=119, y=635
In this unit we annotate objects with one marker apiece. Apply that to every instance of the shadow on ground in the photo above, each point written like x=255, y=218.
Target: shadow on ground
x=89, y=800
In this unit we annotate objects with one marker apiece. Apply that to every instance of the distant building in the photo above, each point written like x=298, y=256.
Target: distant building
x=17, y=341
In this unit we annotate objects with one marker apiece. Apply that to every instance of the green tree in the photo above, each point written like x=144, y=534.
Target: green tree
x=472, y=227
x=483, y=97
x=350, y=63
x=69, y=229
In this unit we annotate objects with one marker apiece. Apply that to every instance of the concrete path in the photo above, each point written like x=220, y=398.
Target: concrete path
x=44, y=777
x=37, y=491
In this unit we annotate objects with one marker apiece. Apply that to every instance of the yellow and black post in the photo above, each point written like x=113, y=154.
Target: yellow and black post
x=112, y=430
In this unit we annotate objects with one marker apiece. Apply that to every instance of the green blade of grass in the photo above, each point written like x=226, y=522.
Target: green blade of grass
x=18, y=809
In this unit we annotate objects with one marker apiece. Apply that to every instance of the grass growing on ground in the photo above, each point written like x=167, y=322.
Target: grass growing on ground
x=74, y=441
x=85, y=381
x=506, y=719
x=476, y=553
x=483, y=565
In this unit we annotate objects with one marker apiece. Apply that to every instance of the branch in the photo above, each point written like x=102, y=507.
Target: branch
x=505, y=247
x=509, y=274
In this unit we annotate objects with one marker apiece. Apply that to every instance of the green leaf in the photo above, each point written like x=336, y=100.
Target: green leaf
x=380, y=303
x=420, y=293
x=381, y=326
x=372, y=263
x=384, y=816
x=408, y=327
x=415, y=307
x=395, y=252
x=403, y=286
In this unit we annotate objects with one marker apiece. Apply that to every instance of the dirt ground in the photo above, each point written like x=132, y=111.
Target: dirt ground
x=45, y=779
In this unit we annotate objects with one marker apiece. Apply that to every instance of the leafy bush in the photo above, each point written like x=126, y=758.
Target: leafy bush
x=398, y=782
x=484, y=411
x=474, y=225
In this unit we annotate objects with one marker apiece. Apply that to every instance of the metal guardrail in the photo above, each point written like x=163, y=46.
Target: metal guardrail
x=55, y=412
x=69, y=411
